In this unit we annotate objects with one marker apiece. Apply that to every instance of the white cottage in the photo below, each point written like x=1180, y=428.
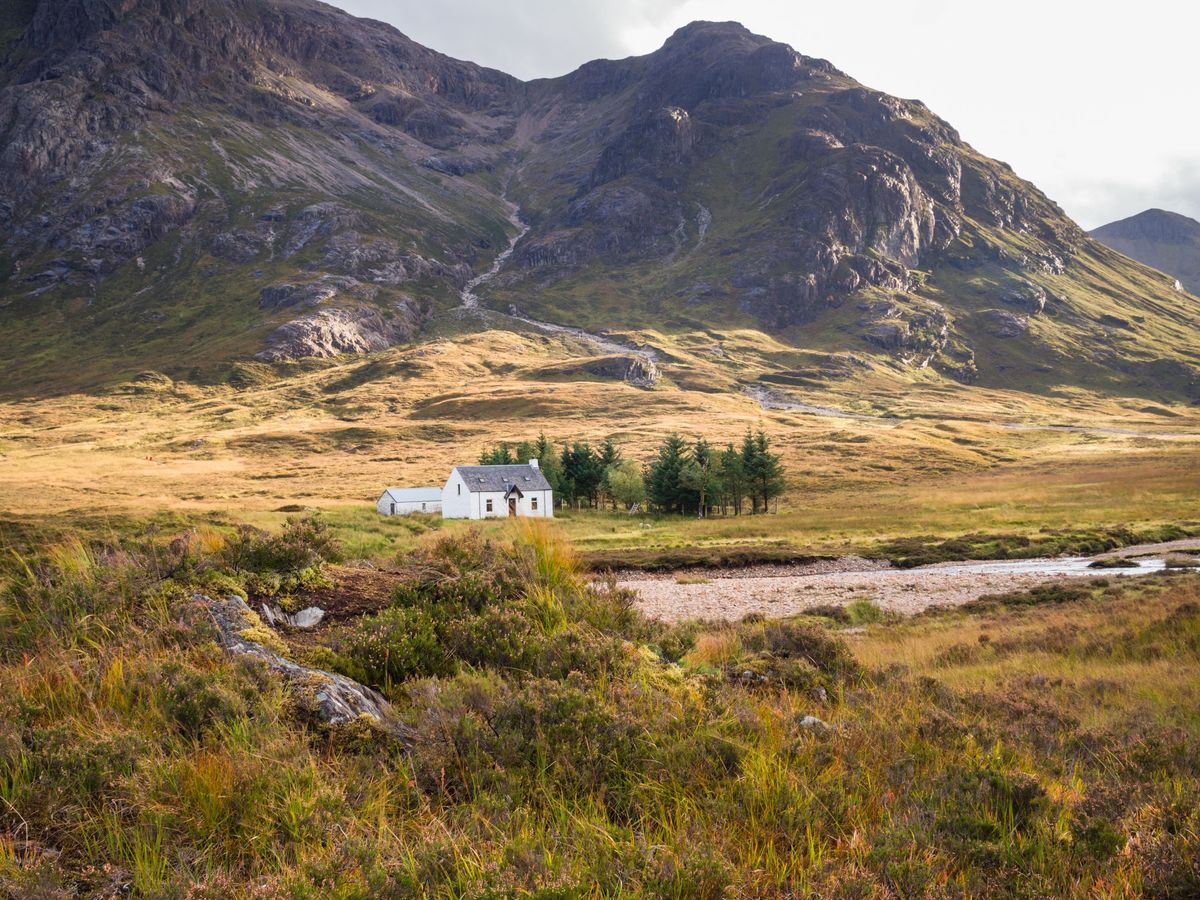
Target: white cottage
x=404, y=501
x=494, y=492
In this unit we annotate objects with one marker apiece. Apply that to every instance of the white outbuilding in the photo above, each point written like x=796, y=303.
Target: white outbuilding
x=405, y=501
x=495, y=492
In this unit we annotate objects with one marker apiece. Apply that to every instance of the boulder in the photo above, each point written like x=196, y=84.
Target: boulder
x=281, y=296
x=309, y=617
x=1030, y=297
x=889, y=335
x=1001, y=323
x=333, y=700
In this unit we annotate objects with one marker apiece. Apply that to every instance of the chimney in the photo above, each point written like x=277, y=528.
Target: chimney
x=533, y=464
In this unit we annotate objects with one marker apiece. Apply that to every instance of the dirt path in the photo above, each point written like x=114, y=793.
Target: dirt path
x=775, y=591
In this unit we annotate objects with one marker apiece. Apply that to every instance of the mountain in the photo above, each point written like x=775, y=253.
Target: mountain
x=189, y=184
x=1158, y=238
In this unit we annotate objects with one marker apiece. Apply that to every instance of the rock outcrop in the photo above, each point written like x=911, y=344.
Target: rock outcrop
x=349, y=329
x=331, y=700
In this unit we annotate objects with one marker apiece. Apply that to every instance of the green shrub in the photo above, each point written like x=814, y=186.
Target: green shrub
x=303, y=544
x=518, y=608
x=986, y=805
x=607, y=607
x=466, y=572
x=501, y=637
x=1114, y=562
x=396, y=644
x=791, y=640
x=675, y=641
x=563, y=729
x=84, y=768
x=864, y=612
x=195, y=702
x=1042, y=595
x=766, y=670
x=581, y=649
x=928, y=549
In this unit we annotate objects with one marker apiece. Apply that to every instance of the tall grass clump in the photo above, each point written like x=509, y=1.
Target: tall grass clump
x=475, y=601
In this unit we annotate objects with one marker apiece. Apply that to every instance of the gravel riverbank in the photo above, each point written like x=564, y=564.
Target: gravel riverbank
x=776, y=591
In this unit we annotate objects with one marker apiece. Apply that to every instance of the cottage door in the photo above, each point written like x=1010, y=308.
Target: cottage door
x=512, y=506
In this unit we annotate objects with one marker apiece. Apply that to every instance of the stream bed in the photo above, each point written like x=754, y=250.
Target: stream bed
x=778, y=591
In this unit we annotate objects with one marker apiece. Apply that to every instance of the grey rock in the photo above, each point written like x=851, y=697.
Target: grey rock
x=237, y=246
x=889, y=335
x=309, y=617
x=1030, y=297
x=353, y=329
x=1001, y=323
x=280, y=296
x=637, y=370
x=333, y=699
x=456, y=165
x=812, y=723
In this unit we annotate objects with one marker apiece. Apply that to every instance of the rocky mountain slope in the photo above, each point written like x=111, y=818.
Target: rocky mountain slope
x=188, y=183
x=1161, y=239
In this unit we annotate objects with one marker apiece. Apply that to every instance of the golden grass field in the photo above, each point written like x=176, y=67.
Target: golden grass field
x=925, y=457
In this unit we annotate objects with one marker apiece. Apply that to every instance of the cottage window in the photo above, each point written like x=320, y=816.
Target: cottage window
x=489, y=506
x=533, y=503
x=422, y=507
x=460, y=490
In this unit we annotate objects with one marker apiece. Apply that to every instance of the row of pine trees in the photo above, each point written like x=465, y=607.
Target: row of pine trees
x=688, y=478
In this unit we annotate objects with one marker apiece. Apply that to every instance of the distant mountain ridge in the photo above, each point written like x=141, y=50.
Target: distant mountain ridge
x=1159, y=238
x=189, y=183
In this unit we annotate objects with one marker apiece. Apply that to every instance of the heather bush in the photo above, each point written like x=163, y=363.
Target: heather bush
x=396, y=644
x=519, y=607
x=301, y=546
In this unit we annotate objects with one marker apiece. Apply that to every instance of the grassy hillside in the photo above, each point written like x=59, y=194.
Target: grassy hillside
x=183, y=307
x=554, y=743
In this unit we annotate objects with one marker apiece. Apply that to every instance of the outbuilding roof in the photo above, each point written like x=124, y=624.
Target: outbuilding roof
x=413, y=495
x=501, y=478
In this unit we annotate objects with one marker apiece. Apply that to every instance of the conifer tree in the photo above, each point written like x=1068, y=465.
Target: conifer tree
x=769, y=480
x=663, y=483
x=732, y=475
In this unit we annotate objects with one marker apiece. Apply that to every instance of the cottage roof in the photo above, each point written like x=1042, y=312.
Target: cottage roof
x=502, y=478
x=413, y=495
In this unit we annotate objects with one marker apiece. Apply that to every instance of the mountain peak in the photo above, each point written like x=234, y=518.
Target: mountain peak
x=1161, y=239
x=1153, y=225
x=703, y=27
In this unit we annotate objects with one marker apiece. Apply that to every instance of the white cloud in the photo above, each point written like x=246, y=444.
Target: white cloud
x=1092, y=101
x=527, y=38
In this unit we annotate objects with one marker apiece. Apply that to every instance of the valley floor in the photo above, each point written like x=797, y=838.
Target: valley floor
x=919, y=457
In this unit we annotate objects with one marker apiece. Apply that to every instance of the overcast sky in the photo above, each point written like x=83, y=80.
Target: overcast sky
x=1095, y=102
